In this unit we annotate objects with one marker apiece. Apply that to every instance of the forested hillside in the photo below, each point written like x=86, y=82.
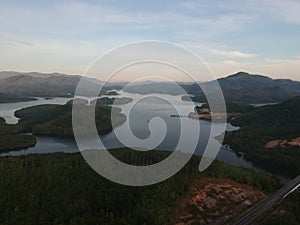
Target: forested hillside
x=265, y=124
x=61, y=189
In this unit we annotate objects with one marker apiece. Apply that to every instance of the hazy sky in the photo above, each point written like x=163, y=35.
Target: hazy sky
x=258, y=36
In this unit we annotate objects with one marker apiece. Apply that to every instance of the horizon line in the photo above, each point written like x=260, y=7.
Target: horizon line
x=124, y=81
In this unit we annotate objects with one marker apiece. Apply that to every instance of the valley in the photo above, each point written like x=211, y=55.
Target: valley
x=216, y=196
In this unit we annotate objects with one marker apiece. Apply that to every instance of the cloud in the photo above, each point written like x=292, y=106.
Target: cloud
x=7, y=39
x=282, y=61
x=219, y=50
x=231, y=54
x=70, y=16
x=37, y=36
x=287, y=10
x=276, y=68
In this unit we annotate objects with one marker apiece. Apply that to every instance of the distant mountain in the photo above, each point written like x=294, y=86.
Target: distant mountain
x=245, y=80
x=5, y=74
x=242, y=80
x=247, y=88
x=25, y=85
x=56, y=85
x=155, y=87
x=239, y=87
x=291, y=85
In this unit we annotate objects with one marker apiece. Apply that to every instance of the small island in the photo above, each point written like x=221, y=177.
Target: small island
x=233, y=110
x=112, y=93
x=111, y=101
x=53, y=120
x=16, y=142
x=4, y=98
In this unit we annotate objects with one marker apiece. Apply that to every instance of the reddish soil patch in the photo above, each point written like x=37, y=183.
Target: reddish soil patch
x=295, y=142
x=214, y=201
x=217, y=115
x=282, y=143
x=273, y=143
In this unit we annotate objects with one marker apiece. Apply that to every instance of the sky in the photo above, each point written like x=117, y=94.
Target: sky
x=66, y=36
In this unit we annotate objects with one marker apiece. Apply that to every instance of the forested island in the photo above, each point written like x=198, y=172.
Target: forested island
x=53, y=120
x=16, y=142
x=5, y=98
x=111, y=101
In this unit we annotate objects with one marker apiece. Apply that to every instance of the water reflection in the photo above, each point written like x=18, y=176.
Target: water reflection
x=140, y=117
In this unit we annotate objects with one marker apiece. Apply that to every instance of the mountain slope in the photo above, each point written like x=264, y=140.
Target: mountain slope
x=264, y=124
x=25, y=85
x=247, y=88
x=6, y=74
x=239, y=87
x=245, y=80
x=55, y=85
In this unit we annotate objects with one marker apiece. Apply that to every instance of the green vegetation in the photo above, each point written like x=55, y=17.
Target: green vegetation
x=232, y=107
x=9, y=128
x=242, y=175
x=264, y=124
x=247, y=95
x=9, y=141
x=287, y=213
x=10, y=98
x=42, y=85
x=245, y=88
x=57, y=119
x=112, y=93
x=62, y=189
x=26, y=85
x=16, y=142
x=110, y=101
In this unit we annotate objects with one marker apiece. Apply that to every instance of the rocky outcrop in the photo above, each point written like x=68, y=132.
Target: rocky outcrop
x=215, y=201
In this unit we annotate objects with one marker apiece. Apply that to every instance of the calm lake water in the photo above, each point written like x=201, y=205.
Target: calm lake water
x=142, y=111
x=7, y=110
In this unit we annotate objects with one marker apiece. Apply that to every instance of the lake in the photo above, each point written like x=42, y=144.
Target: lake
x=7, y=110
x=142, y=111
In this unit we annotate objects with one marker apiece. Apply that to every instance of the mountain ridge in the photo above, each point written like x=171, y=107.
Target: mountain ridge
x=255, y=79
x=248, y=88
x=239, y=87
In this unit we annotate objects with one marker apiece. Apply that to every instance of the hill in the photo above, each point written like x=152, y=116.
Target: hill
x=6, y=74
x=61, y=189
x=240, y=87
x=25, y=85
x=246, y=88
x=242, y=80
x=50, y=85
x=53, y=120
x=268, y=136
x=6, y=98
